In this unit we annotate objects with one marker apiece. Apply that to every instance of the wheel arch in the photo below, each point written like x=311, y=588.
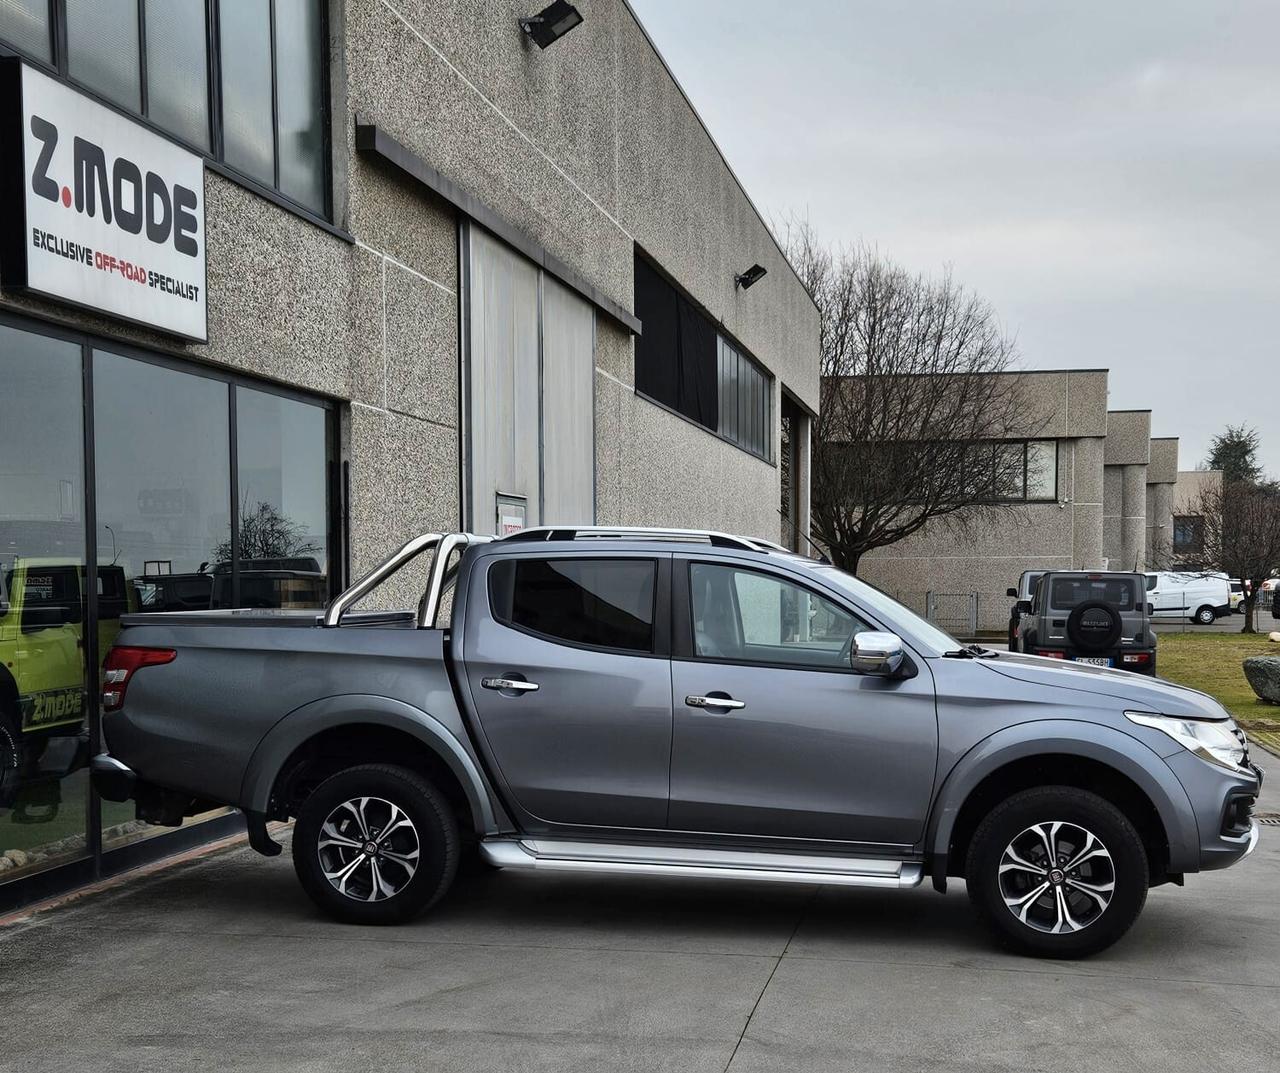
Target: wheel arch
x=1085, y=755
x=334, y=732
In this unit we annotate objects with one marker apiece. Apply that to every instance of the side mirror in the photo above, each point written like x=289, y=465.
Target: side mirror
x=877, y=653
x=1151, y=610
x=1023, y=607
x=1011, y=592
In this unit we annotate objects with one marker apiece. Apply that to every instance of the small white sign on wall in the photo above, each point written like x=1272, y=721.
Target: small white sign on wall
x=513, y=513
x=109, y=215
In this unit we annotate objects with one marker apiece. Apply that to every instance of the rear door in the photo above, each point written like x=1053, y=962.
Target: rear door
x=567, y=666
x=775, y=735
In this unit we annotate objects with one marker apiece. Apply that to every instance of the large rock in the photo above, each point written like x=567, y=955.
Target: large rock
x=1263, y=673
x=1274, y=637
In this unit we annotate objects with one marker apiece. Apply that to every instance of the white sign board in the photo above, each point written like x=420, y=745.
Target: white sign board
x=114, y=214
x=512, y=514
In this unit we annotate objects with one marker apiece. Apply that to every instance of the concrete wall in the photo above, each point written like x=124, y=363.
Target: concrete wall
x=988, y=548
x=1162, y=475
x=1124, y=501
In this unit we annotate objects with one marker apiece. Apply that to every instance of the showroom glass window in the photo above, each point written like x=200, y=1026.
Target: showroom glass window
x=242, y=81
x=44, y=787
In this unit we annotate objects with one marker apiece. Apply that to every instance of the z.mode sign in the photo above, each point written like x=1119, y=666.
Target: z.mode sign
x=114, y=214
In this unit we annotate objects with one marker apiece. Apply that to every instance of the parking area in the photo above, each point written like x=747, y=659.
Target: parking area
x=222, y=964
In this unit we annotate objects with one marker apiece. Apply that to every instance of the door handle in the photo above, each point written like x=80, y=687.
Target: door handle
x=514, y=685
x=715, y=702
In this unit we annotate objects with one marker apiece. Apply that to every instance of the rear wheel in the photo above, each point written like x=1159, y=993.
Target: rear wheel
x=375, y=844
x=1206, y=616
x=10, y=759
x=1057, y=872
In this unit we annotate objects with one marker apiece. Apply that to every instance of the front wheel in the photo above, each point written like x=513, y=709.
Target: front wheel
x=375, y=844
x=1206, y=616
x=1057, y=872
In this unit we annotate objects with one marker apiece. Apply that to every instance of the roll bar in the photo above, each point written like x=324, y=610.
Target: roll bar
x=444, y=544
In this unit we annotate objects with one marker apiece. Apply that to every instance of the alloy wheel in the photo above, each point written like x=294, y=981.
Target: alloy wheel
x=368, y=849
x=1057, y=877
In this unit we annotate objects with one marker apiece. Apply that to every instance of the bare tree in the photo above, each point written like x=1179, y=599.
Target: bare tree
x=916, y=398
x=1240, y=532
x=267, y=533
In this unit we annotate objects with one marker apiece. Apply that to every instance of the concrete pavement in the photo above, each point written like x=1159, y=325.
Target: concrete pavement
x=222, y=964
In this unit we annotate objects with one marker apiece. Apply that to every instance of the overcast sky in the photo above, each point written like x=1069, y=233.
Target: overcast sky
x=1106, y=174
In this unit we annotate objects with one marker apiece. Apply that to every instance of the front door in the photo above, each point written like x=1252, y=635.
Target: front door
x=775, y=736
x=567, y=667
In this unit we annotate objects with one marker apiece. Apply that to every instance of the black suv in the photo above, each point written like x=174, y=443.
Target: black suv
x=1089, y=617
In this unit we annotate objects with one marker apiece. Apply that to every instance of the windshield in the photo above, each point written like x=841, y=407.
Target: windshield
x=888, y=609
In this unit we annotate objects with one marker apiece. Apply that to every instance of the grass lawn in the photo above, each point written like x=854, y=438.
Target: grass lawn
x=1211, y=662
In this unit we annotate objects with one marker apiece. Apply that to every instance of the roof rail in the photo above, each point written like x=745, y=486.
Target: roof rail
x=623, y=532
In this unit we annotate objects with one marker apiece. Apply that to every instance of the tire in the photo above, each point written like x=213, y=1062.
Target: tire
x=1206, y=616
x=1015, y=826
x=11, y=757
x=398, y=810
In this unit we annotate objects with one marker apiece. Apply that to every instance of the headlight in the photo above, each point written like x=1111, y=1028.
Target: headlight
x=1215, y=742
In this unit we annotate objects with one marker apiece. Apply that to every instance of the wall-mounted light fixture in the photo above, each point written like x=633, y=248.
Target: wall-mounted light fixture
x=751, y=276
x=551, y=23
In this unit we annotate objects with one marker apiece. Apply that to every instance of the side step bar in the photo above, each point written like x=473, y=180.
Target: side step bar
x=599, y=858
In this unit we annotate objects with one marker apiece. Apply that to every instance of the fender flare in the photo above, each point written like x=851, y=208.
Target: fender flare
x=304, y=723
x=1117, y=750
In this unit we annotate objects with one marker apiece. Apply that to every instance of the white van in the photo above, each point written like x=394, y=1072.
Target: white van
x=1197, y=596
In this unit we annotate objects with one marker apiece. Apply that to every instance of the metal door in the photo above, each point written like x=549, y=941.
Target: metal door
x=773, y=735
x=579, y=732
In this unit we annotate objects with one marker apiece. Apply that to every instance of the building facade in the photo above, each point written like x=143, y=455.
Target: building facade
x=1106, y=503
x=295, y=281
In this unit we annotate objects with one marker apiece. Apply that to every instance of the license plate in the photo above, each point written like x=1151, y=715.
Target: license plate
x=1094, y=661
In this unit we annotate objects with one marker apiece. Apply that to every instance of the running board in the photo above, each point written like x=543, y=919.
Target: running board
x=554, y=856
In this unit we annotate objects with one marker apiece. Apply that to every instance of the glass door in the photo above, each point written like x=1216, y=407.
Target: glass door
x=44, y=745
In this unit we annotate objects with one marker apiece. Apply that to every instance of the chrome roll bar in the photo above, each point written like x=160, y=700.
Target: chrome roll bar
x=444, y=544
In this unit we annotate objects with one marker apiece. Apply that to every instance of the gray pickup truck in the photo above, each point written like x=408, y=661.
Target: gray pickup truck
x=671, y=703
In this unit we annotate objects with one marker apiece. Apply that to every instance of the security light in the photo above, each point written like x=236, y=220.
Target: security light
x=551, y=23
x=751, y=276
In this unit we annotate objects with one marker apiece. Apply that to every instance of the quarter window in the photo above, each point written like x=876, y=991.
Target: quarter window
x=750, y=617
x=603, y=603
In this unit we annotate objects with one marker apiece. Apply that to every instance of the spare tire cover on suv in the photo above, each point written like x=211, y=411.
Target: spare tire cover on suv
x=1093, y=626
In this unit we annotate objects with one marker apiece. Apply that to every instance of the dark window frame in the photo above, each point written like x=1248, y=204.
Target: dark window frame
x=771, y=410
x=213, y=155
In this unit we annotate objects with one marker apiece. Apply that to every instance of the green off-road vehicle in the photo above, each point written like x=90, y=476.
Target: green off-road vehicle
x=42, y=686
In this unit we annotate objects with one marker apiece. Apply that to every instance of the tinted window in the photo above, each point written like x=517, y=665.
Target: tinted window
x=1068, y=592
x=248, y=141
x=102, y=48
x=177, y=68
x=25, y=23
x=606, y=603
x=760, y=618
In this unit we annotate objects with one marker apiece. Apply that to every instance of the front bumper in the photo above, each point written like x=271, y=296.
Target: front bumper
x=1223, y=803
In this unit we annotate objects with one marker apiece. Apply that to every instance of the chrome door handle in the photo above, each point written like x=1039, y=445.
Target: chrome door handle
x=715, y=702
x=515, y=685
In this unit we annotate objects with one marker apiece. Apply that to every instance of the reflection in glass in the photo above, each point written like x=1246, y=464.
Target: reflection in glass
x=102, y=48
x=43, y=734
x=25, y=23
x=162, y=464
x=245, y=28
x=299, y=97
x=177, y=70
x=282, y=542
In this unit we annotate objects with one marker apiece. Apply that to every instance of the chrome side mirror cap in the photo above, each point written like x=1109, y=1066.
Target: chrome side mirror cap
x=877, y=653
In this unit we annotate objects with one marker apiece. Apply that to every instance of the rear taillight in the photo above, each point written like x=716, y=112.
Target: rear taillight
x=119, y=666
x=1052, y=653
